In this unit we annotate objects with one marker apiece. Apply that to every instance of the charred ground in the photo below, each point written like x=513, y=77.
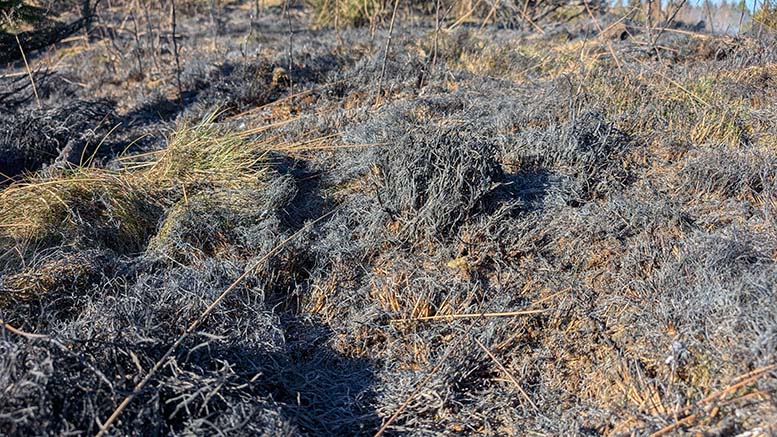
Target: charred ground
x=508, y=232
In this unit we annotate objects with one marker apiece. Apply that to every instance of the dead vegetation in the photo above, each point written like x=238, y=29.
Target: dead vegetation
x=552, y=233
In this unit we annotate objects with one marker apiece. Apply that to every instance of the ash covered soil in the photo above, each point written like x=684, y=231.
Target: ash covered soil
x=486, y=231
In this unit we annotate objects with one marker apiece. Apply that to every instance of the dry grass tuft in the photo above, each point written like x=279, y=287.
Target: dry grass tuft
x=120, y=210
x=104, y=206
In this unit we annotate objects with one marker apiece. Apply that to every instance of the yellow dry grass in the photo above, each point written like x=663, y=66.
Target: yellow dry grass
x=121, y=208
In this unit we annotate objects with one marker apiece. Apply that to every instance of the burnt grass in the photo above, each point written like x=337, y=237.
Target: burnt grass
x=551, y=234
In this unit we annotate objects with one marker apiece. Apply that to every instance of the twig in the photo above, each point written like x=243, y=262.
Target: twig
x=291, y=49
x=709, y=16
x=599, y=28
x=337, y=22
x=150, y=36
x=755, y=372
x=138, y=49
x=463, y=17
x=175, y=51
x=19, y=332
x=472, y=315
x=509, y=375
x=529, y=20
x=436, y=33
x=669, y=21
x=490, y=13
x=743, y=381
x=753, y=376
x=214, y=24
x=196, y=323
x=386, y=51
x=678, y=85
x=29, y=73
x=669, y=428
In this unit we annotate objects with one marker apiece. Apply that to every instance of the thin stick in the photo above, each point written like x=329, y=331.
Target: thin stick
x=436, y=33
x=529, y=20
x=388, y=47
x=741, y=18
x=669, y=21
x=490, y=13
x=150, y=36
x=688, y=33
x=743, y=381
x=669, y=428
x=752, y=373
x=337, y=22
x=21, y=333
x=175, y=51
x=678, y=85
x=599, y=28
x=29, y=73
x=196, y=323
x=509, y=375
x=755, y=375
x=136, y=34
x=464, y=17
x=472, y=315
x=291, y=49
x=709, y=16
x=249, y=34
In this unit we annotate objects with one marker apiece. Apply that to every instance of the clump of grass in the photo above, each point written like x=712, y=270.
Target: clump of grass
x=205, y=155
x=104, y=207
x=60, y=272
x=655, y=107
x=120, y=210
x=206, y=225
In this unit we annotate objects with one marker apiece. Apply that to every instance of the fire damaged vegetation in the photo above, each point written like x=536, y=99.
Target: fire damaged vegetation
x=480, y=231
x=71, y=133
